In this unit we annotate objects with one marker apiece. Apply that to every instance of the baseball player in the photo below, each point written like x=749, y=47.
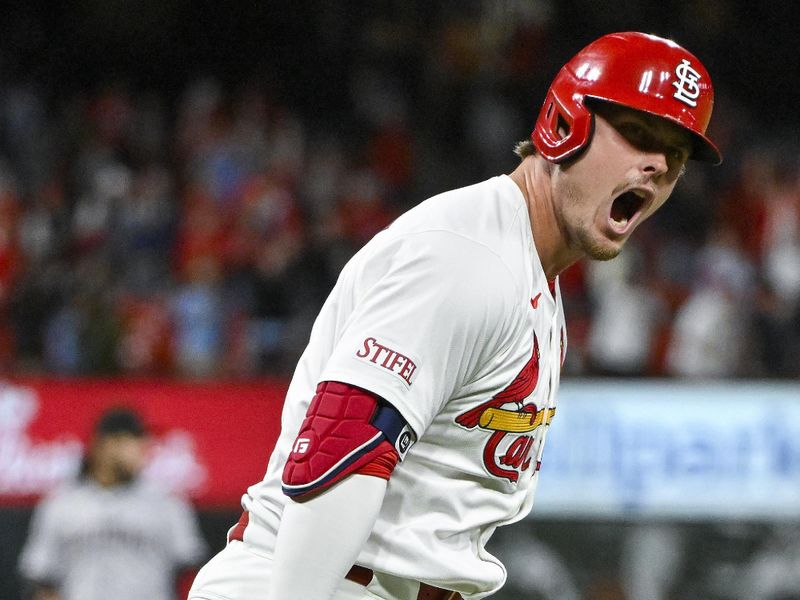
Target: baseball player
x=415, y=421
x=108, y=534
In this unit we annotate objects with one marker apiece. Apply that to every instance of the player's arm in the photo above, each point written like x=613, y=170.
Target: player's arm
x=41, y=559
x=319, y=540
x=347, y=448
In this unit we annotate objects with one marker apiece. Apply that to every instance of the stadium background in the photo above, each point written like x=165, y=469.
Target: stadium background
x=180, y=184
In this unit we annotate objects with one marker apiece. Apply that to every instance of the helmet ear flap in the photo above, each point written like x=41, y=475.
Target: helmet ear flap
x=563, y=129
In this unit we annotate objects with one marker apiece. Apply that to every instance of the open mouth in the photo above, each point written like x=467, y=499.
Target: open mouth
x=625, y=208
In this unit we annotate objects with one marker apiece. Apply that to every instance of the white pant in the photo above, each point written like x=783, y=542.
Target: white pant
x=238, y=573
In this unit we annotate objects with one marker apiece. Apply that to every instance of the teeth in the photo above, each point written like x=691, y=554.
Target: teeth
x=639, y=193
x=622, y=222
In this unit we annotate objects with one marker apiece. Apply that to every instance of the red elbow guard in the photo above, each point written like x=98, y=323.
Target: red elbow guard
x=345, y=429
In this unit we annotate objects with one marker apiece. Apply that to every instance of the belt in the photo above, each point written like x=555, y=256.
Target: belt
x=363, y=575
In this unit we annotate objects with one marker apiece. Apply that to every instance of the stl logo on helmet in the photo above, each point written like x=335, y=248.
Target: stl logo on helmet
x=687, y=88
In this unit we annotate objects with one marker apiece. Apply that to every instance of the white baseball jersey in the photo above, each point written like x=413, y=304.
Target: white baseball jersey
x=124, y=542
x=448, y=315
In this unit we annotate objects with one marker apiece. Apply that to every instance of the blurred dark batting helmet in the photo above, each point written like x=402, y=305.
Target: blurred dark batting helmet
x=637, y=70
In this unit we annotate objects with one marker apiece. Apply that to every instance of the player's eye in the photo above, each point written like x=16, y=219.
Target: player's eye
x=678, y=154
x=634, y=133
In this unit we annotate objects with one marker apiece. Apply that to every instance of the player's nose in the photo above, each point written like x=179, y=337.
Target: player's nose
x=654, y=163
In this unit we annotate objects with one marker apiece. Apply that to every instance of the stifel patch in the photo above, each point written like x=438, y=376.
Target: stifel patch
x=382, y=356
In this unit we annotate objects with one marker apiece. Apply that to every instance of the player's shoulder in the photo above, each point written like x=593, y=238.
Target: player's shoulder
x=488, y=212
x=171, y=501
x=148, y=490
x=477, y=235
x=71, y=487
x=64, y=496
x=467, y=241
x=482, y=224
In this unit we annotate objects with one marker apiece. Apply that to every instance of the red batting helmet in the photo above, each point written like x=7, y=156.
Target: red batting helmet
x=641, y=71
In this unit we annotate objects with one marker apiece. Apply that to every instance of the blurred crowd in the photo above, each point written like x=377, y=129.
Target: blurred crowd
x=196, y=233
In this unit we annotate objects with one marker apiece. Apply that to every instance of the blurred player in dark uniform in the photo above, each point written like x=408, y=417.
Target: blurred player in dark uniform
x=109, y=534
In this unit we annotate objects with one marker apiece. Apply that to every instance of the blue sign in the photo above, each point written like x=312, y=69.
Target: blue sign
x=630, y=449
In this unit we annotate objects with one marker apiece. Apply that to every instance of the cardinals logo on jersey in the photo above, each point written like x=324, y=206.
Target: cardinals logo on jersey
x=509, y=448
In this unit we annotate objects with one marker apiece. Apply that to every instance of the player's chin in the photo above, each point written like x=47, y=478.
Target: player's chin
x=600, y=252
x=600, y=247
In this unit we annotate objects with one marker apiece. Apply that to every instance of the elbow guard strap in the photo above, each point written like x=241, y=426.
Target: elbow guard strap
x=345, y=428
